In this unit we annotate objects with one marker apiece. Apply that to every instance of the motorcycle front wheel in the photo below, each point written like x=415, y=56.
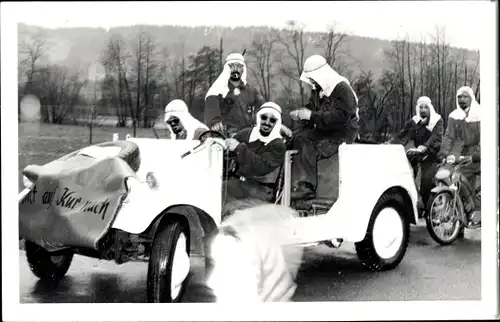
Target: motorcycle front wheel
x=442, y=218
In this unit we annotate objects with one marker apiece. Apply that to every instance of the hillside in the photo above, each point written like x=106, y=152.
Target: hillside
x=79, y=47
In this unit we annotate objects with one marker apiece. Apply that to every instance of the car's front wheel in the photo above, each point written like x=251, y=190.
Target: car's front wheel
x=45, y=265
x=168, y=264
x=387, y=235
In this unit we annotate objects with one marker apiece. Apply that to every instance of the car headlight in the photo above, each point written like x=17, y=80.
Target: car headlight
x=27, y=182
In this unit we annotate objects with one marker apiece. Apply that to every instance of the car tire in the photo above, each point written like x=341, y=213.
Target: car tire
x=129, y=153
x=390, y=206
x=159, y=280
x=46, y=266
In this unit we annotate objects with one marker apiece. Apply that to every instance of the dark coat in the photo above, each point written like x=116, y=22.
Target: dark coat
x=234, y=111
x=334, y=117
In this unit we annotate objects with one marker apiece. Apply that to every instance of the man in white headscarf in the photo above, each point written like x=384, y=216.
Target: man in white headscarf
x=463, y=138
x=259, y=151
x=231, y=103
x=425, y=129
x=329, y=119
x=182, y=125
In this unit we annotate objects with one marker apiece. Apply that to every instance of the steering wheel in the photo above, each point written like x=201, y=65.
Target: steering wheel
x=229, y=162
x=209, y=133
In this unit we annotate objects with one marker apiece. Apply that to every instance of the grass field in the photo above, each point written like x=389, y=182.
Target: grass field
x=42, y=143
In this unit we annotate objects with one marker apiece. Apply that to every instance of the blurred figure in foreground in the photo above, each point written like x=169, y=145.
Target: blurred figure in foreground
x=249, y=259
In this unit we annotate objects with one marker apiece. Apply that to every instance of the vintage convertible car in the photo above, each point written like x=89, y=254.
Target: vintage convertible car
x=158, y=200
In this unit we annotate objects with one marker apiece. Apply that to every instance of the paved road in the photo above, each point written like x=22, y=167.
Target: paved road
x=428, y=272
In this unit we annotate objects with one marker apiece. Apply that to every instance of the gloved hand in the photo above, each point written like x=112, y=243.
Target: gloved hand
x=301, y=114
x=422, y=149
x=217, y=127
x=450, y=159
x=232, y=144
x=286, y=131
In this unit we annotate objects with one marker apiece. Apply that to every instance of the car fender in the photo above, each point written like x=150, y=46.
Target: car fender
x=194, y=181
x=361, y=186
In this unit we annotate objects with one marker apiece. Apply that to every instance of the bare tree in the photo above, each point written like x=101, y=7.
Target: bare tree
x=293, y=39
x=333, y=41
x=262, y=60
x=60, y=91
x=114, y=60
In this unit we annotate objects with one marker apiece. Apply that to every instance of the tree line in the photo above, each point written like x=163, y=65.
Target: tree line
x=139, y=77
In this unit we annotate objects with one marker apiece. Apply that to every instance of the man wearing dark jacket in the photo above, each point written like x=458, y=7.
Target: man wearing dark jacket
x=231, y=103
x=425, y=129
x=463, y=138
x=259, y=153
x=329, y=119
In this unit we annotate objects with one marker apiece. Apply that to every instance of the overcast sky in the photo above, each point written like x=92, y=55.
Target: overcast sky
x=380, y=19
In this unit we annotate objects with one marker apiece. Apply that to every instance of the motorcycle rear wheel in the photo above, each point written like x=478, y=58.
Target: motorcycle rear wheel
x=436, y=200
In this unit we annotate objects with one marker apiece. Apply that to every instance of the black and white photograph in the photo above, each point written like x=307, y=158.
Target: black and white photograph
x=320, y=156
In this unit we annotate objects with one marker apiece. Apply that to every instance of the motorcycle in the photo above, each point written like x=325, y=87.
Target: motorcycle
x=447, y=213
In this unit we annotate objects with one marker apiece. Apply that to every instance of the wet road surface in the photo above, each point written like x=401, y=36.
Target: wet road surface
x=428, y=272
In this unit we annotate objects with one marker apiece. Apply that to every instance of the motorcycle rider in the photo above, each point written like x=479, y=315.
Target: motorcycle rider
x=259, y=152
x=231, y=103
x=425, y=129
x=463, y=138
x=182, y=125
x=329, y=119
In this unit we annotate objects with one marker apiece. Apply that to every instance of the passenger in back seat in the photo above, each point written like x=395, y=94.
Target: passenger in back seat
x=259, y=152
x=330, y=119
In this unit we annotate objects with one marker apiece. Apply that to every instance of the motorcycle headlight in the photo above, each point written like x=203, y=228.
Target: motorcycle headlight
x=27, y=182
x=442, y=174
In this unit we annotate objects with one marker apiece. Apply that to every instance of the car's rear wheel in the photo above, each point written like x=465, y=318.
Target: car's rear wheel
x=168, y=264
x=387, y=235
x=45, y=265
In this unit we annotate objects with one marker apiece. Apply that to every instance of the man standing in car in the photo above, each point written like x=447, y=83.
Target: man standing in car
x=231, y=103
x=329, y=119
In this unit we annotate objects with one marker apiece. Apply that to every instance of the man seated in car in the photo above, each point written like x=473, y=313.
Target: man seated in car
x=259, y=151
x=182, y=125
x=329, y=119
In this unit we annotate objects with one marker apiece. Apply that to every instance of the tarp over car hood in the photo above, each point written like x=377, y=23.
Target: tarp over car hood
x=73, y=202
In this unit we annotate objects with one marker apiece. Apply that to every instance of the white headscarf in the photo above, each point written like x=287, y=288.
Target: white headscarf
x=433, y=116
x=221, y=84
x=317, y=68
x=179, y=109
x=269, y=108
x=473, y=115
